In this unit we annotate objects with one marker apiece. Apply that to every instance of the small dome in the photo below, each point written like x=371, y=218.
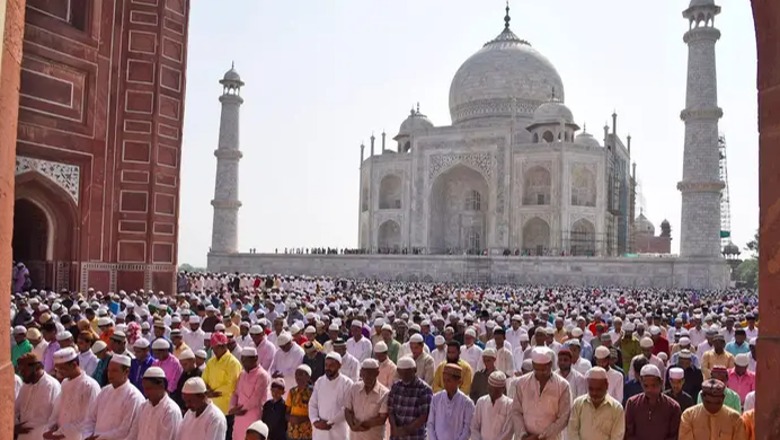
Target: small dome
x=697, y=3
x=585, y=139
x=731, y=249
x=414, y=123
x=232, y=75
x=553, y=112
x=643, y=225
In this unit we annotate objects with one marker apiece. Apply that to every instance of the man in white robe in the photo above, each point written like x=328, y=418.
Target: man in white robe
x=159, y=417
x=115, y=410
x=542, y=402
x=79, y=391
x=493, y=414
x=350, y=366
x=195, y=335
x=359, y=346
x=38, y=399
x=327, y=402
x=616, y=379
x=203, y=420
x=87, y=359
x=286, y=360
x=470, y=351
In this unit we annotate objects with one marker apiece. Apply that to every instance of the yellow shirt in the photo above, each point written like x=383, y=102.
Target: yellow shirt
x=711, y=359
x=177, y=351
x=467, y=375
x=749, y=418
x=698, y=424
x=222, y=375
x=607, y=422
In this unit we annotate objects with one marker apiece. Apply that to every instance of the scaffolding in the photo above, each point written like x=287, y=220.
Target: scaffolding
x=725, y=206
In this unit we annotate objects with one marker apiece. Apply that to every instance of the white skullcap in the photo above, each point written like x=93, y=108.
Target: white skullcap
x=356, y=323
x=685, y=354
x=249, y=352
x=65, y=355
x=259, y=427
x=742, y=360
x=186, y=354
x=335, y=356
x=416, y=338
x=102, y=322
x=576, y=332
x=497, y=379
x=380, y=347
x=141, y=343
x=646, y=343
x=194, y=319
x=676, y=373
x=685, y=340
x=333, y=328
x=145, y=326
x=255, y=330
x=663, y=356
x=201, y=354
x=310, y=329
x=63, y=336
x=471, y=332
x=121, y=360
x=489, y=352
x=305, y=368
x=98, y=346
x=576, y=342
x=601, y=352
x=650, y=370
x=217, y=328
x=385, y=327
x=541, y=355
x=596, y=373
x=629, y=326
x=283, y=339
x=161, y=344
x=524, y=337
x=294, y=330
x=371, y=364
x=20, y=330
x=439, y=340
x=655, y=330
x=194, y=385
x=406, y=363
x=154, y=373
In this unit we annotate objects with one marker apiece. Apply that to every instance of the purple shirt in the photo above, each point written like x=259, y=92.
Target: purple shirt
x=48, y=356
x=646, y=422
x=172, y=369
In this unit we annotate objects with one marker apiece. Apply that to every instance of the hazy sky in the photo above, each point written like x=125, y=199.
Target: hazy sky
x=322, y=75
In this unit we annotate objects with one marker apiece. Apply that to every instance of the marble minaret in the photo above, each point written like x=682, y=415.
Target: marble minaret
x=701, y=184
x=224, y=234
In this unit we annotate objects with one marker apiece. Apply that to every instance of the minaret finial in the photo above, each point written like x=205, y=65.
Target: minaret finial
x=507, y=18
x=584, y=127
x=418, y=107
x=232, y=64
x=552, y=94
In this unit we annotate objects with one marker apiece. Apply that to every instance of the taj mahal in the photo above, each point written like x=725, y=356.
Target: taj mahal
x=513, y=189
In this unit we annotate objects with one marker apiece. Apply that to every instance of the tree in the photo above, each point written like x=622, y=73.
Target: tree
x=752, y=245
x=747, y=272
x=186, y=267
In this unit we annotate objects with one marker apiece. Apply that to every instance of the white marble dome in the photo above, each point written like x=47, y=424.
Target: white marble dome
x=507, y=72
x=414, y=123
x=553, y=112
x=644, y=226
x=232, y=75
x=586, y=139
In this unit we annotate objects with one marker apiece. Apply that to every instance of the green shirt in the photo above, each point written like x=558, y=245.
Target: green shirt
x=732, y=400
x=392, y=350
x=20, y=350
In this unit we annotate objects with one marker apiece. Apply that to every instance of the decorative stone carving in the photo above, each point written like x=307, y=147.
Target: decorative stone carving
x=485, y=162
x=65, y=176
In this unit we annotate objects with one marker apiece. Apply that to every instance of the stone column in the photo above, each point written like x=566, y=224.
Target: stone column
x=766, y=14
x=701, y=184
x=224, y=236
x=11, y=34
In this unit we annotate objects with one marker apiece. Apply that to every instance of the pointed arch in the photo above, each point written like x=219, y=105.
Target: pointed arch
x=389, y=237
x=582, y=238
x=536, y=237
x=458, y=207
x=390, y=191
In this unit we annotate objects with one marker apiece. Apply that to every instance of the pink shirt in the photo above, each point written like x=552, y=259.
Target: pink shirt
x=172, y=369
x=265, y=354
x=252, y=390
x=742, y=385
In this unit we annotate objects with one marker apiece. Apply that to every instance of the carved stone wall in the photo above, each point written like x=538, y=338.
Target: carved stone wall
x=64, y=175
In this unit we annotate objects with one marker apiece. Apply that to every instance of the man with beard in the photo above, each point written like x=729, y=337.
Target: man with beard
x=79, y=391
x=350, y=366
x=38, y=398
x=596, y=415
x=616, y=380
x=189, y=370
x=115, y=410
x=159, y=417
x=424, y=361
x=493, y=413
x=366, y=404
x=577, y=383
x=542, y=402
x=203, y=420
x=453, y=357
x=251, y=392
x=315, y=360
x=652, y=414
x=326, y=406
x=286, y=359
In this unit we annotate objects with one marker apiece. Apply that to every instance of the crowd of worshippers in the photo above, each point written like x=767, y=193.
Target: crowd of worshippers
x=321, y=358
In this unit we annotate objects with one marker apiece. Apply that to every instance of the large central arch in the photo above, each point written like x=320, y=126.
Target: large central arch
x=458, y=207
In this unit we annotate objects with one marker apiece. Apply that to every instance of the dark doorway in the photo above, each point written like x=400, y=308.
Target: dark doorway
x=31, y=238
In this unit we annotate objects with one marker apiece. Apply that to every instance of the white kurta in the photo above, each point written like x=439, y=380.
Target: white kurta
x=350, y=367
x=544, y=413
x=160, y=422
x=439, y=356
x=36, y=405
x=88, y=362
x=327, y=403
x=473, y=356
x=616, y=382
x=578, y=385
x=209, y=425
x=361, y=349
x=114, y=412
x=76, y=398
x=492, y=420
x=505, y=361
x=17, y=386
x=194, y=339
x=285, y=363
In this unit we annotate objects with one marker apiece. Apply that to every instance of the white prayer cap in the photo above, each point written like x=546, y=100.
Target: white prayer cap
x=356, y=323
x=176, y=320
x=385, y=327
x=294, y=330
x=379, y=322
x=145, y=326
x=576, y=342
x=194, y=319
x=650, y=370
x=141, y=343
x=596, y=373
x=154, y=373
x=186, y=354
x=65, y=355
x=524, y=337
x=194, y=385
x=98, y=346
x=64, y=336
x=333, y=327
x=541, y=355
x=685, y=341
x=742, y=360
x=497, y=379
x=601, y=352
x=121, y=360
x=34, y=334
x=310, y=329
x=517, y=318
x=380, y=347
x=406, y=363
x=161, y=344
x=416, y=338
x=676, y=373
x=334, y=356
x=305, y=368
x=283, y=339
x=20, y=330
x=685, y=354
x=415, y=327
x=249, y=352
x=259, y=427
x=646, y=343
x=629, y=326
x=104, y=321
x=471, y=332
x=663, y=356
x=217, y=328
x=576, y=332
x=201, y=354
x=489, y=352
x=255, y=330
x=439, y=340
x=370, y=363
x=655, y=330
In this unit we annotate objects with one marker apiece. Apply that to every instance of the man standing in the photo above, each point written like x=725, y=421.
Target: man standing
x=315, y=359
x=408, y=403
x=479, y=386
x=246, y=404
x=350, y=366
x=493, y=413
x=439, y=353
x=471, y=352
x=616, y=380
x=38, y=399
x=717, y=356
x=159, y=417
x=203, y=420
x=78, y=392
x=423, y=360
x=732, y=399
x=393, y=346
x=453, y=357
x=366, y=404
x=741, y=380
x=115, y=410
x=711, y=419
x=21, y=344
x=265, y=349
x=676, y=392
x=167, y=362
x=328, y=399
x=596, y=415
x=387, y=368
x=451, y=410
x=577, y=382
x=221, y=375
x=628, y=345
x=542, y=403
x=652, y=415
x=143, y=360
x=195, y=335
x=286, y=359
x=358, y=345
x=189, y=370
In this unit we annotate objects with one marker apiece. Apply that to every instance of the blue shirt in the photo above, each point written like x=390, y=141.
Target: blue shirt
x=735, y=349
x=450, y=419
x=137, y=369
